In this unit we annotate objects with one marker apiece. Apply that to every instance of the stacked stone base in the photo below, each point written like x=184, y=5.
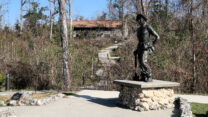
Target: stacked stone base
x=146, y=99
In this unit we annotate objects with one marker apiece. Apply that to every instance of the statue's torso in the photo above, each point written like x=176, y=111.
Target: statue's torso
x=143, y=37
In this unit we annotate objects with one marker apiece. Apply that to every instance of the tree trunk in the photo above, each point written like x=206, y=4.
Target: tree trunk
x=111, y=9
x=121, y=10
x=166, y=15
x=52, y=19
x=144, y=7
x=166, y=7
x=51, y=24
x=205, y=9
x=64, y=37
x=70, y=17
x=193, y=45
x=121, y=16
x=21, y=16
x=138, y=7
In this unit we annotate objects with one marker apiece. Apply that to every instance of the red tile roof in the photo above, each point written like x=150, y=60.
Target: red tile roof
x=97, y=24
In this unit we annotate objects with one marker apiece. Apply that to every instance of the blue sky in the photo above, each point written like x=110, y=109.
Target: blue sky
x=86, y=8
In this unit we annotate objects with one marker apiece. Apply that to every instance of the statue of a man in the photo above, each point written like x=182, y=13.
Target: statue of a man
x=144, y=48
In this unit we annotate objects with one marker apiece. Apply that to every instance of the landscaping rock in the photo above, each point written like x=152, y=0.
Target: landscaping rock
x=21, y=103
x=183, y=106
x=20, y=95
x=26, y=95
x=32, y=102
x=54, y=97
x=2, y=103
x=24, y=98
x=16, y=96
x=12, y=102
x=60, y=95
x=39, y=103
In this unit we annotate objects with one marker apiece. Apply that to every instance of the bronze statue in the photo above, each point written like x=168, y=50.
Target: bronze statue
x=144, y=48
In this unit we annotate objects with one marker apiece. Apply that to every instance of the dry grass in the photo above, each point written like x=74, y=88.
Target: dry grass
x=41, y=95
x=5, y=97
x=34, y=96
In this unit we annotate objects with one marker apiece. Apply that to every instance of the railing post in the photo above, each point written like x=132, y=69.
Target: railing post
x=7, y=82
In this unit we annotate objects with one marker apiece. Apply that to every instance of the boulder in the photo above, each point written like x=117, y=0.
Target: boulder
x=21, y=103
x=16, y=96
x=60, y=95
x=183, y=106
x=2, y=103
x=39, y=103
x=12, y=102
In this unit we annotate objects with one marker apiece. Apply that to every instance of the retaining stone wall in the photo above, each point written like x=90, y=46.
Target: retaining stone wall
x=146, y=99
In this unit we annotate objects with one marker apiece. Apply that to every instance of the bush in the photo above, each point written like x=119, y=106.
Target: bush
x=2, y=80
x=24, y=75
x=26, y=36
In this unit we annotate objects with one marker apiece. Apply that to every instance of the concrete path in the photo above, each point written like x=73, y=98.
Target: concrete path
x=86, y=103
x=194, y=98
x=104, y=55
x=106, y=60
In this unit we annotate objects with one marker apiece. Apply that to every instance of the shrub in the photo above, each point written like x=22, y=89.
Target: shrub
x=26, y=36
x=24, y=75
x=2, y=80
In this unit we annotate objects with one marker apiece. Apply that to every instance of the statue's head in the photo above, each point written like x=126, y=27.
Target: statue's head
x=141, y=19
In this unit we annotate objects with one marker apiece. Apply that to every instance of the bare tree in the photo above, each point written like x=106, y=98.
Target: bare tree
x=166, y=7
x=111, y=10
x=138, y=6
x=144, y=6
x=70, y=17
x=118, y=6
x=64, y=37
x=205, y=8
x=193, y=42
x=23, y=2
x=51, y=24
x=3, y=9
x=52, y=14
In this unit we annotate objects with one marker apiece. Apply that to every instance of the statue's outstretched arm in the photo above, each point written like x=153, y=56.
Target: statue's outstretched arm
x=154, y=33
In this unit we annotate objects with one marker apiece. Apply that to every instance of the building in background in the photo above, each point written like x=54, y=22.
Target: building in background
x=97, y=28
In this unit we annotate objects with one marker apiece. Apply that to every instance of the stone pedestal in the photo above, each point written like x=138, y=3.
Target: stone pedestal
x=144, y=96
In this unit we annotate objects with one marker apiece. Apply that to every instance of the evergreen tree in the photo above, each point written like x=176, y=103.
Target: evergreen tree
x=34, y=16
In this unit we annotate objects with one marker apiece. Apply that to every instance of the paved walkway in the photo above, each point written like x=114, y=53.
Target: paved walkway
x=86, y=103
x=194, y=98
x=106, y=60
x=104, y=55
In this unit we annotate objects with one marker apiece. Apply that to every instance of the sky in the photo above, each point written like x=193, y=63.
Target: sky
x=86, y=8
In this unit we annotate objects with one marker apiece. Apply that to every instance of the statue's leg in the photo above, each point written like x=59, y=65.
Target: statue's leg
x=135, y=58
x=135, y=77
x=141, y=64
x=147, y=69
x=146, y=72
